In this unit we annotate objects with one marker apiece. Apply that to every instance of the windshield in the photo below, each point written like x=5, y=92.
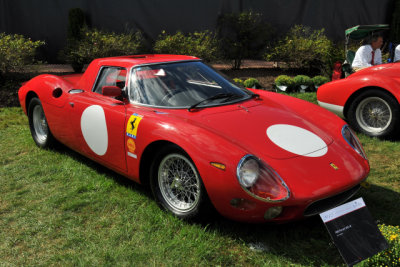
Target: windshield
x=182, y=85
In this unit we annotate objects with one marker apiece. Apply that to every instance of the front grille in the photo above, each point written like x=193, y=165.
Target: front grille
x=330, y=202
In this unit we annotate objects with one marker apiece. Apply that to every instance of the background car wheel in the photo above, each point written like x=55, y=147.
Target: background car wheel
x=375, y=113
x=177, y=185
x=38, y=125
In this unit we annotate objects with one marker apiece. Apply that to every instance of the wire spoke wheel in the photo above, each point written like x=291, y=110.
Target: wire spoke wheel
x=374, y=114
x=40, y=124
x=179, y=183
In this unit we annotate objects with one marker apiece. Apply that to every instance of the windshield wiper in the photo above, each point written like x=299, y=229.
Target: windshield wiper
x=214, y=97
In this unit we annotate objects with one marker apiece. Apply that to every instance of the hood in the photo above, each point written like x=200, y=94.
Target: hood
x=269, y=129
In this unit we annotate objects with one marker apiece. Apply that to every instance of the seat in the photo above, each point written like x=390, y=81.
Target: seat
x=346, y=67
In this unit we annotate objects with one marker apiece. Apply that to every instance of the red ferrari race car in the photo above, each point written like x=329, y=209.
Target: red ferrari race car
x=369, y=99
x=196, y=138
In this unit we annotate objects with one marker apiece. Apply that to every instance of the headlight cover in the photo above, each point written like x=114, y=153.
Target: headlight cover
x=260, y=180
x=352, y=140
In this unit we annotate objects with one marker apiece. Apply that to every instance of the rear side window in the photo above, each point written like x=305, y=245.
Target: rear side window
x=110, y=76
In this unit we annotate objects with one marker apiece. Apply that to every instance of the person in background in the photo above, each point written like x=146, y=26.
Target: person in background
x=368, y=55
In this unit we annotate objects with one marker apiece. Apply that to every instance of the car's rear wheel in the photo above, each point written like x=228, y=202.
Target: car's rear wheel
x=177, y=185
x=375, y=113
x=38, y=125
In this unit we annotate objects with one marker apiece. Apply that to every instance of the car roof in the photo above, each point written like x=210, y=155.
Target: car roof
x=134, y=60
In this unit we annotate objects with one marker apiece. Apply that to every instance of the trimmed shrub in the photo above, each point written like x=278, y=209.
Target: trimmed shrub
x=391, y=256
x=243, y=36
x=252, y=83
x=16, y=51
x=98, y=44
x=284, y=80
x=203, y=45
x=302, y=80
x=307, y=49
x=319, y=80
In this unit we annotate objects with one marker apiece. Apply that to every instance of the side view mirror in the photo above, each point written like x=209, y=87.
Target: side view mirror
x=112, y=91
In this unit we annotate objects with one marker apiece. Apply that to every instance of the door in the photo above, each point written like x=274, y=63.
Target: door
x=98, y=121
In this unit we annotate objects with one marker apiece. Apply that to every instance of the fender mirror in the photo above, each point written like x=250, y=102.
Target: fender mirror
x=112, y=91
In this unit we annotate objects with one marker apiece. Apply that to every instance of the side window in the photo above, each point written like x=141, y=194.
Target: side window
x=110, y=76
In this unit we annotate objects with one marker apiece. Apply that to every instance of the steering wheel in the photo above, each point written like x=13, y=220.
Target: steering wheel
x=169, y=95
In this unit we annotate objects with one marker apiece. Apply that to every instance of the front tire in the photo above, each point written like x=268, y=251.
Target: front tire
x=177, y=185
x=375, y=113
x=38, y=125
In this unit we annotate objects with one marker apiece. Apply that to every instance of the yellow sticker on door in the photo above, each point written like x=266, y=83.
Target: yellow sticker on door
x=132, y=125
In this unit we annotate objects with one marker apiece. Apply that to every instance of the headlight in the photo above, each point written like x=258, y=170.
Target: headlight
x=353, y=141
x=248, y=171
x=260, y=180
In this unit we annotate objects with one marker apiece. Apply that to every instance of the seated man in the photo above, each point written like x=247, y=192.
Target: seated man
x=368, y=55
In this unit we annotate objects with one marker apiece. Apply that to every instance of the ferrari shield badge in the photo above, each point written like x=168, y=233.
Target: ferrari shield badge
x=132, y=125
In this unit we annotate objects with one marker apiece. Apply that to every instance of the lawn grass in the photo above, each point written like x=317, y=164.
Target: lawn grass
x=59, y=208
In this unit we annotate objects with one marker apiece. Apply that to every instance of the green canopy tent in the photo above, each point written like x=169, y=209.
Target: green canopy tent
x=361, y=31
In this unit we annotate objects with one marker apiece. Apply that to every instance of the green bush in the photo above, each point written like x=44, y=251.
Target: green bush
x=302, y=80
x=98, y=44
x=238, y=81
x=203, y=45
x=252, y=83
x=319, y=80
x=243, y=36
x=16, y=51
x=304, y=48
x=284, y=80
x=391, y=256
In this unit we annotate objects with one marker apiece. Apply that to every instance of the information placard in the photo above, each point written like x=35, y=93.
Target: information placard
x=354, y=231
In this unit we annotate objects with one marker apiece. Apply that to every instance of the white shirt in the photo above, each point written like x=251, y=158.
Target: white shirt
x=396, y=54
x=363, y=57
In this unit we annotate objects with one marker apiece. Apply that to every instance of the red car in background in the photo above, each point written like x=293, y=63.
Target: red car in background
x=369, y=99
x=196, y=138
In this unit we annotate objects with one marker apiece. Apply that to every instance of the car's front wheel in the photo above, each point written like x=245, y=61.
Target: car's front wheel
x=375, y=113
x=38, y=125
x=177, y=185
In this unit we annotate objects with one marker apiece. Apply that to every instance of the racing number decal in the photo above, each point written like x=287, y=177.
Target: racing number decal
x=132, y=125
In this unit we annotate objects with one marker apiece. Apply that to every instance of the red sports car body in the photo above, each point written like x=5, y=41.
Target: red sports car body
x=196, y=138
x=369, y=99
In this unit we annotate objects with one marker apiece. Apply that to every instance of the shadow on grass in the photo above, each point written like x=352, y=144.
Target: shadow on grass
x=304, y=242
x=118, y=178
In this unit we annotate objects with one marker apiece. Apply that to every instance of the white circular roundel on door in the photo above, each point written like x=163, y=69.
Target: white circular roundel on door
x=94, y=129
x=297, y=140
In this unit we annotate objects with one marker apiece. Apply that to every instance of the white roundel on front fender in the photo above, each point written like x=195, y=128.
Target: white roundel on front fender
x=297, y=140
x=94, y=129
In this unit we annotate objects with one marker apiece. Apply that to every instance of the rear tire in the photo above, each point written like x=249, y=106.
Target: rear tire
x=177, y=185
x=38, y=125
x=375, y=113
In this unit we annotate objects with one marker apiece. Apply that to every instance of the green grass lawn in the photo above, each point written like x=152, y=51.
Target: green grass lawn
x=59, y=208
